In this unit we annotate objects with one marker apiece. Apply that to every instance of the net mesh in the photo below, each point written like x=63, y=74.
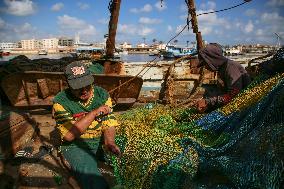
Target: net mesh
x=237, y=146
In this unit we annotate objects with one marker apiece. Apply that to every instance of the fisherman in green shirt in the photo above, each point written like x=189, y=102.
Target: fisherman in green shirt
x=76, y=111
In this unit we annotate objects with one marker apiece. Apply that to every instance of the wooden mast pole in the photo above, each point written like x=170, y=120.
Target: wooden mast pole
x=114, y=7
x=194, y=23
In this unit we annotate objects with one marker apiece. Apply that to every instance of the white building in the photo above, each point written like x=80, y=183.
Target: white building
x=142, y=45
x=31, y=44
x=125, y=45
x=161, y=46
x=51, y=43
x=232, y=51
x=8, y=45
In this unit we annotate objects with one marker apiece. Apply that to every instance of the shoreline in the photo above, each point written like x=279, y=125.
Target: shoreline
x=131, y=58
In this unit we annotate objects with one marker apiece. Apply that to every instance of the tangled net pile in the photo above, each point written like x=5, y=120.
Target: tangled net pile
x=237, y=146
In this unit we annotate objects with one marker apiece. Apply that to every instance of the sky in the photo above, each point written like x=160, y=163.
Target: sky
x=255, y=22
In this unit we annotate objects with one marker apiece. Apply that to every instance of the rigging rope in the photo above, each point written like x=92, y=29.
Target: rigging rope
x=110, y=7
x=188, y=21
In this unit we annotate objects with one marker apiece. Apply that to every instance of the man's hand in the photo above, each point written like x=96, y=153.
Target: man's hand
x=103, y=110
x=109, y=137
x=201, y=105
x=113, y=148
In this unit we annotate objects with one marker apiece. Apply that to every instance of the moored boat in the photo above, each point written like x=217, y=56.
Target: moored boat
x=4, y=52
x=177, y=52
x=89, y=52
x=36, y=88
x=154, y=53
x=42, y=52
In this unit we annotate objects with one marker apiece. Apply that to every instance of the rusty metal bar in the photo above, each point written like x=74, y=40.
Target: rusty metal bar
x=110, y=43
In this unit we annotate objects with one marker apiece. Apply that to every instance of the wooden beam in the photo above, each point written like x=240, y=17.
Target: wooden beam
x=194, y=24
x=110, y=43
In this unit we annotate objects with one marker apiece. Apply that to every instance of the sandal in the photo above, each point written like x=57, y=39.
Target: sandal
x=43, y=151
x=24, y=153
x=24, y=156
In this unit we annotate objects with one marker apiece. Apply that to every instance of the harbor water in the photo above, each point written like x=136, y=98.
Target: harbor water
x=124, y=58
x=128, y=58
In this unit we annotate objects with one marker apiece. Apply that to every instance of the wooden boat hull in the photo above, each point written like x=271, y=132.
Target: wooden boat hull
x=37, y=89
x=16, y=131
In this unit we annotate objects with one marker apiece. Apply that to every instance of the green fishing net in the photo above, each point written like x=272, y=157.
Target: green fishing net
x=237, y=146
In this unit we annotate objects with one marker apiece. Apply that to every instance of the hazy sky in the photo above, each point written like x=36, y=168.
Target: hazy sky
x=251, y=23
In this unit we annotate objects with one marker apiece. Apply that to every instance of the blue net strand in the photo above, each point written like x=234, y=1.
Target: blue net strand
x=229, y=148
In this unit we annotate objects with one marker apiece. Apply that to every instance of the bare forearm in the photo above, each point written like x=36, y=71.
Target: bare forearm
x=83, y=123
x=80, y=126
x=109, y=135
x=222, y=99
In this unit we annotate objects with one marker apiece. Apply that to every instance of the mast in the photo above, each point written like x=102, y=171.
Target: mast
x=114, y=6
x=191, y=9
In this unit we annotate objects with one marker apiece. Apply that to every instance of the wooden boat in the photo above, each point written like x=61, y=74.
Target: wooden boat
x=178, y=52
x=16, y=130
x=89, y=52
x=36, y=89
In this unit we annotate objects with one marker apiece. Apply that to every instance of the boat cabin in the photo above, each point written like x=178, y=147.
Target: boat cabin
x=177, y=52
x=89, y=52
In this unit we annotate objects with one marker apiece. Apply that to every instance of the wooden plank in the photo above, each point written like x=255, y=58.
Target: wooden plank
x=26, y=92
x=50, y=83
x=43, y=88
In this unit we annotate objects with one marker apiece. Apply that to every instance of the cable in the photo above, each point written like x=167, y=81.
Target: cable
x=178, y=33
x=112, y=90
x=221, y=10
x=188, y=21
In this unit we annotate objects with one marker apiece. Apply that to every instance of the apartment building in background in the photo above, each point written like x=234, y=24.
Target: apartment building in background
x=51, y=43
x=8, y=45
x=65, y=42
x=31, y=44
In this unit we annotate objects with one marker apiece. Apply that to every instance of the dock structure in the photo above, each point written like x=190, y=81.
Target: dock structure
x=139, y=50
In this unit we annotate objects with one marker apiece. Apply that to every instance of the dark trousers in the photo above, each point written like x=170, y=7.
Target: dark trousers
x=82, y=157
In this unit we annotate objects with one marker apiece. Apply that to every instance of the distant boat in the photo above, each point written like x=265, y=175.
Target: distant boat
x=42, y=52
x=124, y=52
x=154, y=53
x=4, y=52
x=116, y=55
x=177, y=52
x=88, y=52
x=232, y=52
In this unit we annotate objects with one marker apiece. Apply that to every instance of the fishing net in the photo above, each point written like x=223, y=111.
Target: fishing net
x=240, y=145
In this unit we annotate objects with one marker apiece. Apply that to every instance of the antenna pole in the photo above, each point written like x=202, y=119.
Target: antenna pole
x=278, y=40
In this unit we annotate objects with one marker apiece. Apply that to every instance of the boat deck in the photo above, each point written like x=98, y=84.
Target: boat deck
x=48, y=172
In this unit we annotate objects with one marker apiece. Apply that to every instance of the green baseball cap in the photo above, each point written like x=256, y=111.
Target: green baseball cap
x=78, y=76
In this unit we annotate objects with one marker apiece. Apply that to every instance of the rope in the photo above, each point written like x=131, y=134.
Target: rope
x=178, y=33
x=199, y=82
x=112, y=90
x=259, y=58
x=188, y=21
x=169, y=74
x=221, y=10
x=187, y=24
